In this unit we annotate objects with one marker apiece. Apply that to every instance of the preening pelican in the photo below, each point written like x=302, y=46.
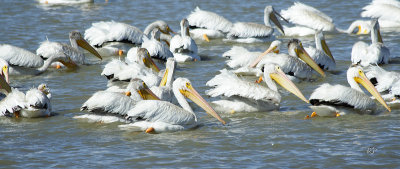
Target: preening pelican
x=141, y=66
x=307, y=19
x=321, y=53
x=296, y=64
x=359, y=27
x=35, y=103
x=183, y=46
x=242, y=96
x=102, y=33
x=206, y=24
x=113, y=104
x=376, y=53
x=334, y=100
x=249, y=32
x=156, y=49
x=65, y=1
x=161, y=116
x=72, y=52
x=388, y=12
x=240, y=57
x=24, y=62
x=164, y=90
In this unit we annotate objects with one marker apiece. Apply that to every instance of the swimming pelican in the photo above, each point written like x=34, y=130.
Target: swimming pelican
x=307, y=19
x=164, y=90
x=183, y=46
x=142, y=67
x=376, y=53
x=334, y=100
x=161, y=116
x=240, y=57
x=65, y=1
x=242, y=96
x=111, y=104
x=156, y=49
x=24, y=62
x=388, y=12
x=321, y=53
x=205, y=25
x=297, y=64
x=35, y=103
x=101, y=33
x=249, y=32
x=48, y=49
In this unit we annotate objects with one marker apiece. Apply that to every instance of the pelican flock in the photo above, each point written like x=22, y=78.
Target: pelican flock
x=142, y=97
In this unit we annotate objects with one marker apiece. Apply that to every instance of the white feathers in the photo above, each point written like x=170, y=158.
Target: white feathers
x=19, y=57
x=365, y=54
x=385, y=10
x=110, y=31
x=209, y=20
x=157, y=49
x=249, y=29
x=304, y=15
x=106, y=102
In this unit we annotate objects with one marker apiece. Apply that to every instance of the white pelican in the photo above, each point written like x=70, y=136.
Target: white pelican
x=24, y=62
x=65, y=1
x=321, y=54
x=161, y=116
x=141, y=67
x=307, y=19
x=164, y=90
x=205, y=24
x=249, y=32
x=183, y=46
x=386, y=82
x=359, y=27
x=113, y=104
x=239, y=95
x=376, y=53
x=35, y=103
x=102, y=33
x=388, y=12
x=156, y=49
x=334, y=100
x=297, y=64
x=240, y=57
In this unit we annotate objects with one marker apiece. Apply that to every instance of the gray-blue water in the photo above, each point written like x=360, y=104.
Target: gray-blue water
x=257, y=140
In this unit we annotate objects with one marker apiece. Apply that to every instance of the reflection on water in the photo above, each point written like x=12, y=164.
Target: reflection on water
x=270, y=139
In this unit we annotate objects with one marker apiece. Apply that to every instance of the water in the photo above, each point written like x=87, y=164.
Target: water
x=271, y=139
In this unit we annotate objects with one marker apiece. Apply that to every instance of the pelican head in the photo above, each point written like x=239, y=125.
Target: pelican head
x=4, y=69
x=141, y=88
x=274, y=47
x=164, y=27
x=320, y=41
x=273, y=72
x=169, y=72
x=184, y=86
x=375, y=33
x=296, y=49
x=145, y=58
x=355, y=74
x=76, y=38
x=43, y=88
x=269, y=14
x=359, y=27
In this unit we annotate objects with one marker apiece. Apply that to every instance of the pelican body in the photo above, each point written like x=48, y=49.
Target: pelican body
x=331, y=100
x=238, y=95
x=161, y=116
x=157, y=49
x=388, y=12
x=208, y=25
x=307, y=19
x=375, y=53
x=248, y=32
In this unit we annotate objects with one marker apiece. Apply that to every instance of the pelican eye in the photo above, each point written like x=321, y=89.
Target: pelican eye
x=187, y=84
